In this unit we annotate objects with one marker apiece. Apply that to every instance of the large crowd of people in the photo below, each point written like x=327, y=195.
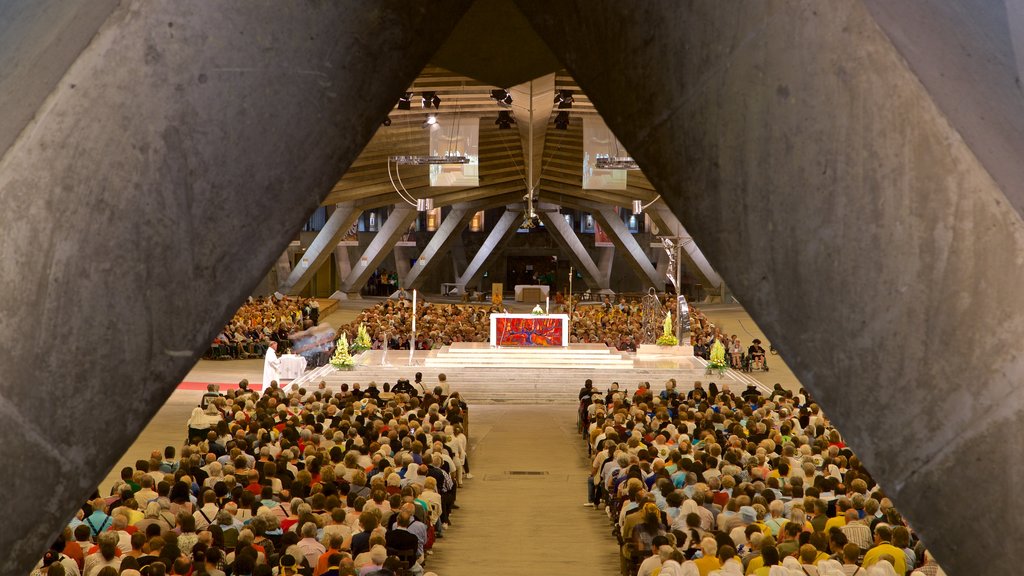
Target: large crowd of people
x=615, y=322
x=261, y=321
x=320, y=482
x=709, y=481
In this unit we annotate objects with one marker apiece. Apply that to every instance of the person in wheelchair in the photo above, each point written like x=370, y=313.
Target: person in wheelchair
x=756, y=353
x=735, y=351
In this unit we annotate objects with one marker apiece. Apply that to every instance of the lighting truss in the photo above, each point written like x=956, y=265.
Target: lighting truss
x=429, y=160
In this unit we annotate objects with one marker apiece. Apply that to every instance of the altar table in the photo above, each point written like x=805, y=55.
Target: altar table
x=292, y=366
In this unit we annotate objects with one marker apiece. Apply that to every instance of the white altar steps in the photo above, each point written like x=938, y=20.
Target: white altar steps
x=482, y=355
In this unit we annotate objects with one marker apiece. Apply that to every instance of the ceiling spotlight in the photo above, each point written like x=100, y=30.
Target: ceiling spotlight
x=405, y=101
x=505, y=120
x=502, y=97
x=431, y=99
x=564, y=99
x=387, y=121
x=562, y=121
x=430, y=121
x=638, y=206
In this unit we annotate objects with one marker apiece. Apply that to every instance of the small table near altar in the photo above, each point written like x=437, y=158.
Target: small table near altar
x=532, y=294
x=520, y=330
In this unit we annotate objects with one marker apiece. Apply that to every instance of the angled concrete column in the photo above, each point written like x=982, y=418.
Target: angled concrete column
x=503, y=228
x=282, y=268
x=402, y=256
x=39, y=40
x=458, y=259
x=861, y=231
x=623, y=240
x=342, y=262
x=397, y=224
x=445, y=235
x=671, y=226
x=605, y=259
x=968, y=54
x=344, y=216
x=573, y=248
x=168, y=169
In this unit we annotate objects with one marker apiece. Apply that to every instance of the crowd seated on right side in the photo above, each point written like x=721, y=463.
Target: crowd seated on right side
x=711, y=482
x=260, y=321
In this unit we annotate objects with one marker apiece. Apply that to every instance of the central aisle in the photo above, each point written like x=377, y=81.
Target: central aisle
x=519, y=524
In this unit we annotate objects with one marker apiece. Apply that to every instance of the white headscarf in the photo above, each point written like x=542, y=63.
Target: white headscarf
x=881, y=568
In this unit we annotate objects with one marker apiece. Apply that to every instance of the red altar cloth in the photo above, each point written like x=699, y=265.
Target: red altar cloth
x=528, y=331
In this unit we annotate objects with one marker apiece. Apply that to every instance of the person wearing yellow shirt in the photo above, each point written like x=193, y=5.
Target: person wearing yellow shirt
x=883, y=547
x=709, y=560
x=842, y=505
x=769, y=557
x=758, y=561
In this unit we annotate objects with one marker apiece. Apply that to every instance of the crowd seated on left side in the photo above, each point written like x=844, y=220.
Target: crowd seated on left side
x=319, y=483
x=260, y=321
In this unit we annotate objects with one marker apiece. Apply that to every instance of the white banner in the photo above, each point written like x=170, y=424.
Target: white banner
x=598, y=140
x=453, y=136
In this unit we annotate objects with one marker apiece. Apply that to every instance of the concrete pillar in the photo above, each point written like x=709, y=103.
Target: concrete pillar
x=846, y=213
x=380, y=247
x=165, y=172
x=282, y=268
x=342, y=261
x=445, y=235
x=573, y=248
x=969, y=54
x=631, y=249
x=339, y=223
x=503, y=228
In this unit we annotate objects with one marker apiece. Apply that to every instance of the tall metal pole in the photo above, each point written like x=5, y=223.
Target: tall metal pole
x=570, y=299
x=412, y=341
x=679, y=289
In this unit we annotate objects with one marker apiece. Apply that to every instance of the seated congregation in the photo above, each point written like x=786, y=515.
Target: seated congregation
x=616, y=324
x=709, y=482
x=319, y=483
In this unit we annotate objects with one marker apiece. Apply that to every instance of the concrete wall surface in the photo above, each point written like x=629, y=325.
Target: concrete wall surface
x=166, y=172
x=852, y=220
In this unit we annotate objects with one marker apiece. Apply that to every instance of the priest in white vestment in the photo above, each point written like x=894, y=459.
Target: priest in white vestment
x=271, y=366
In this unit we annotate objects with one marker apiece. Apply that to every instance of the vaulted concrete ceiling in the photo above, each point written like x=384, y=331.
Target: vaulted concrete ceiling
x=558, y=154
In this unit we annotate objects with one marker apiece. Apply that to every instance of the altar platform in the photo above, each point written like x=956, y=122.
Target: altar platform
x=483, y=374
x=482, y=354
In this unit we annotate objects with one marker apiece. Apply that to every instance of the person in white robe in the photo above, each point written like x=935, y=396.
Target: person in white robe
x=271, y=366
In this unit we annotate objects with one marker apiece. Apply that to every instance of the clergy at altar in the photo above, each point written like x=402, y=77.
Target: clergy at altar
x=271, y=366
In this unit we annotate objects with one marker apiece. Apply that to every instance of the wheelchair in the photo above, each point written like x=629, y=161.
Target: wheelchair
x=749, y=365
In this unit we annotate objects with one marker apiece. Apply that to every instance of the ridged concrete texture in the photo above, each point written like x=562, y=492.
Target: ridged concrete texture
x=156, y=185
x=853, y=222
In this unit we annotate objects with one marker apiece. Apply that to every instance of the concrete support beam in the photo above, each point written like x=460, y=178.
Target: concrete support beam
x=605, y=260
x=873, y=245
x=151, y=191
x=573, y=248
x=542, y=102
x=396, y=225
x=623, y=240
x=445, y=235
x=282, y=269
x=39, y=41
x=339, y=223
x=503, y=228
x=342, y=262
x=968, y=54
x=669, y=225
